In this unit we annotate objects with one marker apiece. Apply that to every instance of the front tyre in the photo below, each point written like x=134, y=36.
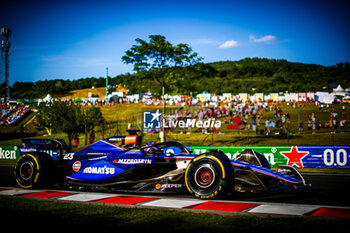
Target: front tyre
x=33, y=170
x=209, y=176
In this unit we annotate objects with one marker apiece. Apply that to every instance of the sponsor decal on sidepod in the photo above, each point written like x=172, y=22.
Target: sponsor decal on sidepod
x=98, y=171
x=133, y=161
x=76, y=166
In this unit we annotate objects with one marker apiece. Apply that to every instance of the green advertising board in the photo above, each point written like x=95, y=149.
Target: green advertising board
x=9, y=153
x=272, y=154
x=299, y=156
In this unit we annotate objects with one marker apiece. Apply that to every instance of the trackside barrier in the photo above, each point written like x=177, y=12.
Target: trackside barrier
x=9, y=153
x=300, y=156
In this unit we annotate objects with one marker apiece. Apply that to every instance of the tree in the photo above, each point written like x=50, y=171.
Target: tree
x=161, y=59
x=70, y=119
x=91, y=117
x=62, y=118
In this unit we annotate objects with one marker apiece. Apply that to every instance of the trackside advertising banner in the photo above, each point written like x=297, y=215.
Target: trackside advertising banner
x=9, y=153
x=298, y=156
x=14, y=152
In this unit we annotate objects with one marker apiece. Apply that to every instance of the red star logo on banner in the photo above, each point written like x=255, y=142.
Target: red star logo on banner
x=295, y=157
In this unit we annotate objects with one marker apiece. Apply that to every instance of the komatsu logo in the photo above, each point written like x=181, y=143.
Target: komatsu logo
x=99, y=170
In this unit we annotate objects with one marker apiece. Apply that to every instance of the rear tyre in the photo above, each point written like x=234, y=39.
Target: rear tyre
x=34, y=170
x=209, y=176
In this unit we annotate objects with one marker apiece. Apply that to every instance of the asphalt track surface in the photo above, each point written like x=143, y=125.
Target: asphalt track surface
x=327, y=189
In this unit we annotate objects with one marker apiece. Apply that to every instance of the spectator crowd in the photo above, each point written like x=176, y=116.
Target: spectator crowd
x=10, y=115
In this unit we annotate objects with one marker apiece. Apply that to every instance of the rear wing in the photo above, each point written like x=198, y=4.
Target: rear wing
x=51, y=146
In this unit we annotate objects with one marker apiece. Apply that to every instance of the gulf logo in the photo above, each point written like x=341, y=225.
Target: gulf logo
x=76, y=166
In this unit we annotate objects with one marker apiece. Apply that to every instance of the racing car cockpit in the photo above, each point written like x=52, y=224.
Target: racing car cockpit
x=166, y=148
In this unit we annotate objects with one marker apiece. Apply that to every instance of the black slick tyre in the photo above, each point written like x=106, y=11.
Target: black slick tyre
x=33, y=170
x=209, y=176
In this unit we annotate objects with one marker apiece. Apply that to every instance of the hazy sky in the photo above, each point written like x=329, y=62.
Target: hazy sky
x=78, y=39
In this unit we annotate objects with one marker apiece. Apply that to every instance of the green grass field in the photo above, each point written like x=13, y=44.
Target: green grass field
x=45, y=215
x=119, y=116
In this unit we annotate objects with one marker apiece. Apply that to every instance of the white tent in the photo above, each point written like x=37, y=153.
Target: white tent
x=339, y=91
x=48, y=98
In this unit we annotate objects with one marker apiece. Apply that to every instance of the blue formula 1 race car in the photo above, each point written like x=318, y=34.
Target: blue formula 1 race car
x=121, y=164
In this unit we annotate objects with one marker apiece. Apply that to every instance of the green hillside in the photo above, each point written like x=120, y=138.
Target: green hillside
x=269, y=75
x=247, y=75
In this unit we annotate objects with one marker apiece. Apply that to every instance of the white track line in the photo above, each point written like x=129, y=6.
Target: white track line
x=13, y=192
x=85, y=197
x=172, y=203
x=283, y=209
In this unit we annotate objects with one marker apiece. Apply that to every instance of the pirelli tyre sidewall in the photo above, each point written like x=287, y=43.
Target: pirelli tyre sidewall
x=209, y=176
x=33, y=170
